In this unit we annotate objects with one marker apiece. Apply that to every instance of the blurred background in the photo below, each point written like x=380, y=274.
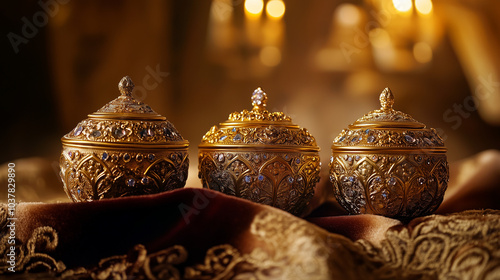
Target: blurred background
x=322, y=62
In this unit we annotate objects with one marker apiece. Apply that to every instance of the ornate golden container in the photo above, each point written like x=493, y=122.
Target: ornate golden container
x=123, y=149
x=389, y=164
x=261, y=156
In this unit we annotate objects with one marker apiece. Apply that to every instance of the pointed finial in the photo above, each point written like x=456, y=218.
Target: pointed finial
x=126, y=86
x=386, y=99
x=259, y=99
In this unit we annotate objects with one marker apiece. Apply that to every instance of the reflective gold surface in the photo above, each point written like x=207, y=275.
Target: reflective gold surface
x=125, y=148
x=389, y=164
x=261, y=156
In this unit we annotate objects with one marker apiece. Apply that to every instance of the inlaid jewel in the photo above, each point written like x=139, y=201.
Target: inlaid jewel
x=119, y=133
x=78, y=130
x=96, y=133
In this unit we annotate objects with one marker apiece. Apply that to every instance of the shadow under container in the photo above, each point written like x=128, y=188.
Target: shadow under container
x=261, y=156
x=389, y=164
x=123, y=149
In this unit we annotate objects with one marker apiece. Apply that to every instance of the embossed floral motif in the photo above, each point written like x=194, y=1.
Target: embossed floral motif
x=401, y=186
x=88, y=175
x=125, y=131
x=268, y=135
x=427, y=138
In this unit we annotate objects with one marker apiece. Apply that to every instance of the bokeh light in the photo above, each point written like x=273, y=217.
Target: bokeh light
x=275, y=8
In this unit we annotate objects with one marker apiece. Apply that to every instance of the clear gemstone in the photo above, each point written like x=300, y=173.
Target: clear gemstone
x=147, y=132
x=130, y=182
x=105, y=156
x=258, y=96
x=370, y=139
x=119, y=133
x=78, y=130
x=151, y=157
x=297, y=161
x=367, y=131
x=290, y=180
x=378, y=179
x=410, y=139
x=357, y=158
x=145, y=180
x=248, y=179
x=126, y=157
x=392, y=181
x=352, y=179
x=384, y=194
x=223, y=138
x=234, y=129
x=421, y=180
x=167, y=132
x=428, y=141
x=261, y=177
x=341, y=139
x=139, y=158
x=237, y=137
x=96, y=133
x=221, y=157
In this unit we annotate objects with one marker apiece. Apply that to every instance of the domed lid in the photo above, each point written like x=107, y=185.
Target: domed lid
x=259, y=128
x=128, y=122
x=387, y=129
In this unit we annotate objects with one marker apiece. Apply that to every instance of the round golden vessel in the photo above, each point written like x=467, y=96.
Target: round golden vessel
x=261, y=156
x=389, y=164
x=123, y=149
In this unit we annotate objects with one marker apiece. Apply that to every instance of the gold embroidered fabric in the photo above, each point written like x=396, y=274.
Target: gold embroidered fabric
x=278, y=245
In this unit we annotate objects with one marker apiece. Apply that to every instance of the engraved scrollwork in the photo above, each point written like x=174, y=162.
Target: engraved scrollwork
x=282, y=179
x=95, y=174
x=270, y=135
x=125, y=131
x=371, y=137
x=400, y=186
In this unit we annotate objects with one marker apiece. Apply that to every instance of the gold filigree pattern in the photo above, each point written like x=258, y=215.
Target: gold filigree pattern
x=263, y=115
x=372, y=137
x=285, y=180
x=399, y=186
x=90, y=174
x=123, y=131
x=268, y=135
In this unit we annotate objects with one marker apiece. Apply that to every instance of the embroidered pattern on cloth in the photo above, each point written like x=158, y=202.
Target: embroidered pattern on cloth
x=463, y=245
x=459, y=246
x=33, y=256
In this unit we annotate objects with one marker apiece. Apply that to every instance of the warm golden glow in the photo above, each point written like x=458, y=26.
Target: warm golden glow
x=423, y=6
x=402, y=5
x=270, y=56
x=254, y=7
x=347, y=14
x=221, y=10
x=275, y=8
x=422, y=52
x=379, y=38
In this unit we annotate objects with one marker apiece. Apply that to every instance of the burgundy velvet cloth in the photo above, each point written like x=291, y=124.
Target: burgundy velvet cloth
x=199, y=219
